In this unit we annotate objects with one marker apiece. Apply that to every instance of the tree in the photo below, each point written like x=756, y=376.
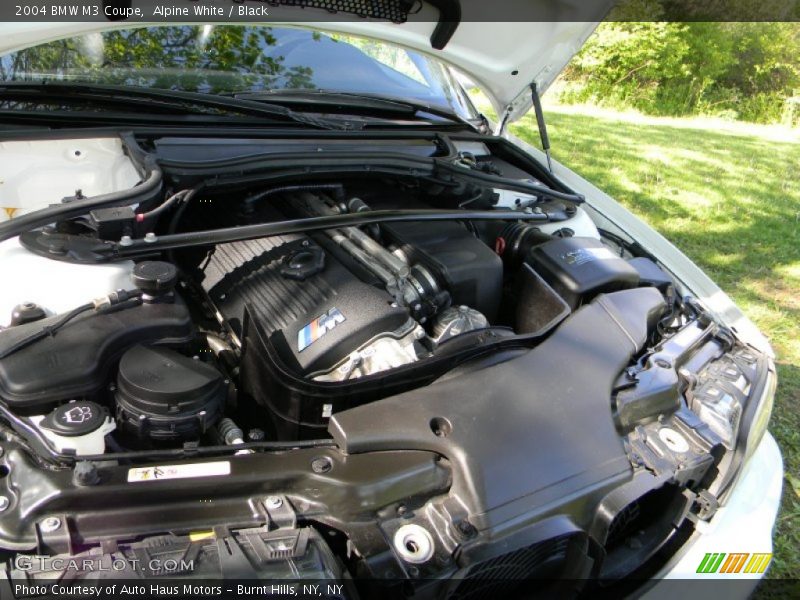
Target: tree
x=742, y=70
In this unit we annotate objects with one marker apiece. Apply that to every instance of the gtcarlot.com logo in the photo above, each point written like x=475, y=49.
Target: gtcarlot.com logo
x=742, y=562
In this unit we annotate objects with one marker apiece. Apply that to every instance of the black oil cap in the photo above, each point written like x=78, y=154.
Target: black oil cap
x=75, y=418
x=303, y=263
x=155, y=277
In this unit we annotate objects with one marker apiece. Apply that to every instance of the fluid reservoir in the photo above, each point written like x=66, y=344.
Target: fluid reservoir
x=78, y=427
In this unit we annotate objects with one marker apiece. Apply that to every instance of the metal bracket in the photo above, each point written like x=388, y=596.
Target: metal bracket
x=54, y=535
x=281, y=513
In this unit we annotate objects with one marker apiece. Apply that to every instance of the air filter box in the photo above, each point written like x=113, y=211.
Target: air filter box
x=579, y=268
x=466, y=267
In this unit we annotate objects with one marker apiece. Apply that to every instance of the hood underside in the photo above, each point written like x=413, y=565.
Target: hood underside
x=503, y=58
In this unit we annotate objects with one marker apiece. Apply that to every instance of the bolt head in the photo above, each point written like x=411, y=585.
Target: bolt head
x=321, y=465
x=256, y=435
x=50, y=524
x=273, y=502
x=466, y=529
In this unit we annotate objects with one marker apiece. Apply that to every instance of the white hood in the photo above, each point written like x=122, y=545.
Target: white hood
x=504, y=58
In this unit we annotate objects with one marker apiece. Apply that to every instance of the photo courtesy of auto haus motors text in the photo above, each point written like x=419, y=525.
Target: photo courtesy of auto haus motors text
x=324, y=300
x=150, y=590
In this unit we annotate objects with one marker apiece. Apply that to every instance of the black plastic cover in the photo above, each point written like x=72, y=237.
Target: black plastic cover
x=247, y=554
x=164, y=395
x=113, y=222
x=315, y=321
x=77, y=361
x=656, y=392
x=529, y=434
x=468, y=268
x=539, y=308
x=580, y=268
x=650, y=273
x=326, y=334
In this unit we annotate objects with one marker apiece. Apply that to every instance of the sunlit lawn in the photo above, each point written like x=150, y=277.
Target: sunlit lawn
x=732, y=203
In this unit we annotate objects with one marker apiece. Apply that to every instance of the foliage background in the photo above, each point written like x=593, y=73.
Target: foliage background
x=739, y=71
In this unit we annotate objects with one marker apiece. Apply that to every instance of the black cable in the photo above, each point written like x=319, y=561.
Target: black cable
x=113, y=300
x=150, y=216
x=183, y=203
x=46, y=331
x=249, y=202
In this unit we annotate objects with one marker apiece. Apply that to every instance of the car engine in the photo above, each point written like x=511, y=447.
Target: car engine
x=396, y=375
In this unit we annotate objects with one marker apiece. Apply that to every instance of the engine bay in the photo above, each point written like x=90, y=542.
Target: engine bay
x=377, y=323
x=344, y=307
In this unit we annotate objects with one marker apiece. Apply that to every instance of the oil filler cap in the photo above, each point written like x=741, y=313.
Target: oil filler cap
x=155, y=277
x=303, y=263
x=74, y=419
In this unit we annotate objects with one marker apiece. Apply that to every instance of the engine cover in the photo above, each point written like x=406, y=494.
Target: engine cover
x=314, y=310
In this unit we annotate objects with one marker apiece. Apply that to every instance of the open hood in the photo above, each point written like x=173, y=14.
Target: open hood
x=503, y=58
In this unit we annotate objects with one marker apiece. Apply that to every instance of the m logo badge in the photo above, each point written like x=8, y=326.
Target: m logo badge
x=318, y=327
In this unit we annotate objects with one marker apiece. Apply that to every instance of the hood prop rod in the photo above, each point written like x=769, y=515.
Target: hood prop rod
x=537, y=107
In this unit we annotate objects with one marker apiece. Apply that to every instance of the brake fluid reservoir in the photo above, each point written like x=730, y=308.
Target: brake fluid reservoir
x=54, y=285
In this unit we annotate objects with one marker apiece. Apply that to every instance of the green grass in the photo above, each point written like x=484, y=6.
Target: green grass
x=732, y=203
